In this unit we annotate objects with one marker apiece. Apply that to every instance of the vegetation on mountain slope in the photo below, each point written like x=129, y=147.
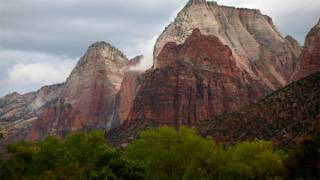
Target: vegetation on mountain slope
x=285, y=117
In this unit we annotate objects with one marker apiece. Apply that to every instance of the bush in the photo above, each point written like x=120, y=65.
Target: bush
x=182, y=154
x=79, y=156
x=162, y=153
x=304, y=160
x=252, y=160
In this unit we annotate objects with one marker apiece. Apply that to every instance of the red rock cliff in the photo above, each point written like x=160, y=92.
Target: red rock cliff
x=128, y=92
x=193, y=81
x=310, y=57
x=88, y=97
x=256, y=44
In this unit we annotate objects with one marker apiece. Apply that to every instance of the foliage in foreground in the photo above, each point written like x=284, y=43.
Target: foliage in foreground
x=182, y=154
x=163, y=153
x=79, y=156
x=304, y=160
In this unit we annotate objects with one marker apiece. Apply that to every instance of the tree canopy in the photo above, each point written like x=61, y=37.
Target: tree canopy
x=79, y=156
x=182, y=154
x=161, y=153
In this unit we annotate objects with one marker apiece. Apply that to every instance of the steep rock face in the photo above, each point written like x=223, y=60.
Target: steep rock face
x=127, y=93
x=17, y=112
x=286, y=117
x=256, y=44
x=310, y=57
x=98, y=94
x=17, y=107
x=14, y=107
x=295, y=46
x=194, y=81
x=87, y=99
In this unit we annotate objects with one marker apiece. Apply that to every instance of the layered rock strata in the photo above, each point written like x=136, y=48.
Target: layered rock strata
x=85, y=101
x=193, y=81
x=310, y=58
x=257, y=46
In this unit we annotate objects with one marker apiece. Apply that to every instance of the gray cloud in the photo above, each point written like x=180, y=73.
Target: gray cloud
x=59, y=31
x=68, y=27
x=26, y=71
x=294, y=17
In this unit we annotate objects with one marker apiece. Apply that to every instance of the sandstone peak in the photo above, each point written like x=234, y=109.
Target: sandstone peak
x=13, y=94
x=136, y=60
x=310, y=58
x=100, y=44
x=197, y=2
x=292, y=41
x=255, y=11
x=290, y=38
x=195, y=80
x=314, y=29
x=254, y=40
x=103, y=58
x=101, y=52
x=88, y=97
x=85, y=101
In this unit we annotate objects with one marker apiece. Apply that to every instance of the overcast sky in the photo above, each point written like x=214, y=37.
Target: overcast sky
x=41, y=40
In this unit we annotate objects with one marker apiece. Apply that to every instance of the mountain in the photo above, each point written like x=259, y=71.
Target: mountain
x=85, y=101
x=255, y=42
x=310, y=57
x=285, y=117
x=213, y=60
x=17, y=107
x=18, y=112
x=193, y=81
x=210, y=61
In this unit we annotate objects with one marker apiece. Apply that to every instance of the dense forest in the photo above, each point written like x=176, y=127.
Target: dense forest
x=162, y=153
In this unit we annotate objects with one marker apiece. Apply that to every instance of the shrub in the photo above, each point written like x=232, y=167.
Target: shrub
x=182, y=154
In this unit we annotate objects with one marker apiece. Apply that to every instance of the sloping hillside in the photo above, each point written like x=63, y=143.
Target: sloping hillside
x=286, y=117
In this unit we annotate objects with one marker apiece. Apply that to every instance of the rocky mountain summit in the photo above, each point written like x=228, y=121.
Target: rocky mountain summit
x=195, y=80
x=17, y=112
x=310, y=57
x=256, y=44
x=85, y=101
x=17, y=107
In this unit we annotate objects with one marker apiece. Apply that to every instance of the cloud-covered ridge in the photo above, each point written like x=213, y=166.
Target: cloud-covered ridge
x=27, y=71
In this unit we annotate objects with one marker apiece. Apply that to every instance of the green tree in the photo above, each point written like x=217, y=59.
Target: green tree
x=182, y=154
x=304, y=160
x=163, y=153
x=252, y=160
x=79, y=156
x=171, y=154
x=18, y=166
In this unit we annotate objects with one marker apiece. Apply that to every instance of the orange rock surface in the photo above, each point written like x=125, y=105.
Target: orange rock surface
x=194, y=81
